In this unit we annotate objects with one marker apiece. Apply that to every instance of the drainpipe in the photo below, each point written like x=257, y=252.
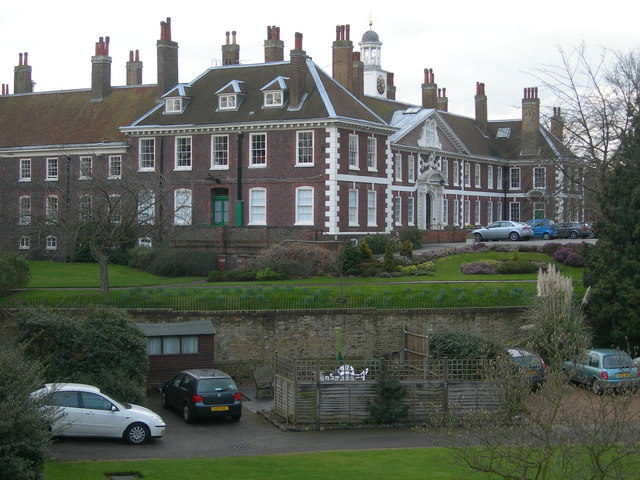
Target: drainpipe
x=239, y=201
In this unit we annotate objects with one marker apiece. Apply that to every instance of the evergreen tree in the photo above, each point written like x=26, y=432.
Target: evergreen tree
x=613, y=266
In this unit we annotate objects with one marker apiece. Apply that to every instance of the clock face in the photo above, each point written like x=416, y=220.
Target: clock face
x=381, y=84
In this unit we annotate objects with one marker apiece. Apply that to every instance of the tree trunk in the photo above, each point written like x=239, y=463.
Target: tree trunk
x=103, y=261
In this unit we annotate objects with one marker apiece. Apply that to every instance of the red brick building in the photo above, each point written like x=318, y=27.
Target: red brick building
x=255, y=154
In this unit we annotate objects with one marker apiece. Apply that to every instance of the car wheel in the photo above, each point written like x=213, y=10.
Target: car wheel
x=236, y=416
x=514, y=237
x=546, y=236
x=573, y=235
x=478, y=237
x=163, y=400
x=596, y=387
x=187, y=414
x=136, y=433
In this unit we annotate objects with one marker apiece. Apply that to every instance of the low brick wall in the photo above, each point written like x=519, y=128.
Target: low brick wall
x=245, y=340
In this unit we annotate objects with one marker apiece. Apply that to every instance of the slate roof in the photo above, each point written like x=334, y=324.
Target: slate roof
x=324, y=99
x=467, y=132
x=194, y=327
x=70, y=117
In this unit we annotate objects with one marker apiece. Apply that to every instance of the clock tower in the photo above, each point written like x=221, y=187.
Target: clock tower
x=375, y=79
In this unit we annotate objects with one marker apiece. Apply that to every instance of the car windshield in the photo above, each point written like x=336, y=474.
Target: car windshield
x=216, y=385
x=617, y=360
x=528, y=361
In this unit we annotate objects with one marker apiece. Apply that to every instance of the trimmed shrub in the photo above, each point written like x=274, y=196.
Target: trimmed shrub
x=350, y=259
x=406, y=249
x=459, y=344
x=425, y=268
x=389, y=264
x=518, y=266
x=241, y=275
x=184, y=263
x=268, y=274
x=365, y=251
x=216, y=276
x=569, y=256
x=486, y=267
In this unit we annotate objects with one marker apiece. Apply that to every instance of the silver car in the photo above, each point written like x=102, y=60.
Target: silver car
x=503, y=230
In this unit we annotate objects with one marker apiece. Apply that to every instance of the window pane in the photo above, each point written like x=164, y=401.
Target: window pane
x=170, y=345
x=189, y=344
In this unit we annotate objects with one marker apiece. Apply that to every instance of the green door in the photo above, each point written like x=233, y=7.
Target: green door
x=220, y=206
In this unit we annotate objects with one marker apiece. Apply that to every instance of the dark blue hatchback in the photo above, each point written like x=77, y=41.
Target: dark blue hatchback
x=202, y=393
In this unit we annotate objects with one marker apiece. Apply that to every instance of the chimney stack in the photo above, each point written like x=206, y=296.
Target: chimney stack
x=297, y=71
x=391, y=88
x=429, y=89
x=482, y=118
x=22, y=82
x=443, y=102
x=231, y=51
x=167, y=59
x=557, y=123
x=530, y=122
x=101, y=71
x=358, y=76
x=134, y=68
x=343, y=57
x=273, y=46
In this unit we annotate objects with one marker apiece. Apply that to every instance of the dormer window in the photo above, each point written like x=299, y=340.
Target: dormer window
x=227, y=101
x=173, y=105
x=273, y=98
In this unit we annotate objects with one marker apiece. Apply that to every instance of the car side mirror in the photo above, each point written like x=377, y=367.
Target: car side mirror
x=114, y=408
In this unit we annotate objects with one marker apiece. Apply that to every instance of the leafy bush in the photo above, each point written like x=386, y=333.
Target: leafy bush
x=425, y=268
x=459, y=344
x=141, y=257
x=569, y=255
x=485, y=267
x=365, y=251
x=378, y=242
x=389, y=263
x=518, y=266
x=268, y=274
x=411, y=235
x=216, y=276
x=14, y=272
x=101, y=347
x=24, y=434
x=350, y=259
x=388, y=408
x=183, y=263
x=406, y=249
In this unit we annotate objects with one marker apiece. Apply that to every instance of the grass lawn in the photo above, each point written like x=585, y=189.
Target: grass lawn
x=69, y=275
x=448, y=287
x=406, y=464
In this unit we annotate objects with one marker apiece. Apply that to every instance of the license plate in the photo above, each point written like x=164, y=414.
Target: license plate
x=624, y=375
x=219, y=409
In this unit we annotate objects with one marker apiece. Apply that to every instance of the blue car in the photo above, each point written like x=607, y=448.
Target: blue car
x=601, y=369
x=543, y=228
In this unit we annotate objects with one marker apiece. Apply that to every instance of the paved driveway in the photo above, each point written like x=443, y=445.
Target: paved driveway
x=252, y=435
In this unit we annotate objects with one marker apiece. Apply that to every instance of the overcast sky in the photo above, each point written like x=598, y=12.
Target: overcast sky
x=500, y=43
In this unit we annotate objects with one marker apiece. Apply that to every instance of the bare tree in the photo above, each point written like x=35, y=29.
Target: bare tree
x=103, y=212
x=597, y=97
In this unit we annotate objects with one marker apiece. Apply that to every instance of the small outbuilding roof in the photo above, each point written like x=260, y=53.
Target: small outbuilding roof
x=166, y=329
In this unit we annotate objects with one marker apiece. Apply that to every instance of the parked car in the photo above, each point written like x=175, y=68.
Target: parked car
x=532, y=364
x=202, y=393
x=543, y=228
x=592, y=228
x=84, y=411
x=503, y=230
x=573, y=230
x=602, y=369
